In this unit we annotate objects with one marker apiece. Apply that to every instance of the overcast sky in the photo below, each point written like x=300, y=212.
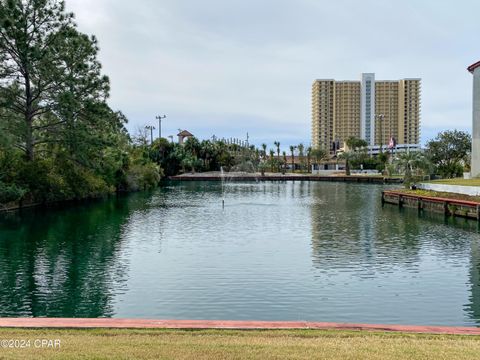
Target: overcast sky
x=228, y=67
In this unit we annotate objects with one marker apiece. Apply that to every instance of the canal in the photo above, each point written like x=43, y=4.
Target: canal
x=316, y=251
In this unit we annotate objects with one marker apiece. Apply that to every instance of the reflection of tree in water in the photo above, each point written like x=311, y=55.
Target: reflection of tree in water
x=350, y=230
x=63, y=262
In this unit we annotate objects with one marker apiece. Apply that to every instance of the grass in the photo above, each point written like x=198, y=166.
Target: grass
x=458, y=181
x=439, y=194
x=236, y=344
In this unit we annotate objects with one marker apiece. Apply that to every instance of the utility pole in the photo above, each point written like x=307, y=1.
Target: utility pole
x=159, y=118
x=151, y=128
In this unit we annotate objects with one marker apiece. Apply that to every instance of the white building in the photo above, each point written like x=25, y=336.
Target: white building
x=475, y=166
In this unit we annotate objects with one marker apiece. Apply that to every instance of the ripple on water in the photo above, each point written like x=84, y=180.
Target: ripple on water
x=276, y=251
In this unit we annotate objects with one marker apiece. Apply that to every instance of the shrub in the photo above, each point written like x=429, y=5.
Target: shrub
x=10, y=193
x=142, y=176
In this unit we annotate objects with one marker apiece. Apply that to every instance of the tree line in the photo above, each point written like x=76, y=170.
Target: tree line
x=59, y=139
x=448, y=155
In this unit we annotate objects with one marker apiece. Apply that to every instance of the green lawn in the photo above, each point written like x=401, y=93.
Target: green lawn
x=439, y=194
x=458, y=181
x=236, y=344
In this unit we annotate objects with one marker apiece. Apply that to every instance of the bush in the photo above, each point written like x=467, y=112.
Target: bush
x=86, y=184
x=450, y=170
x=49, y=181
x=10, y=193
x=140, y=177
x=33, y=176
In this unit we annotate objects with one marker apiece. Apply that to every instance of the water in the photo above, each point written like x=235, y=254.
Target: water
x=277, y=251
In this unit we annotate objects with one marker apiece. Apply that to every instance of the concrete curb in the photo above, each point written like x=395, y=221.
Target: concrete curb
x=227, y=324
x=457, y=189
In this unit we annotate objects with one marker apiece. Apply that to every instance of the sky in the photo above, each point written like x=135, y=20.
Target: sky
x=232, y=67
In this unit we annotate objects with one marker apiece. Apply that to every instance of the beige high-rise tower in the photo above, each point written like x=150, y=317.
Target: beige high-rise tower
x=371, y=110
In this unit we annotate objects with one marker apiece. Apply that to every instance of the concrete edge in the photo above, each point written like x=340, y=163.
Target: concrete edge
x=63, y=323
x=456, y=189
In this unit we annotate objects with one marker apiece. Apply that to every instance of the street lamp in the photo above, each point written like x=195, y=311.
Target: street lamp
x=151, y=128
x=159, y=118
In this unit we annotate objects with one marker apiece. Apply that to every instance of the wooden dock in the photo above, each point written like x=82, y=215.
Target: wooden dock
x=446, y=206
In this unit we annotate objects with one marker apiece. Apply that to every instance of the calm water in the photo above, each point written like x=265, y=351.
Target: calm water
x=278, y=251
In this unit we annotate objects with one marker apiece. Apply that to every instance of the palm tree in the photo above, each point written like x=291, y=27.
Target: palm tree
x=207, y=153
x=272, y=159
x=354, y=143
x=309, y=157
x=284, y=161
x=292, y=151
x=300, y=155
x=319, y=155
x=264, y=147
x=348, y=157
x=192, y=145
x=411, y=162
x=277, y=144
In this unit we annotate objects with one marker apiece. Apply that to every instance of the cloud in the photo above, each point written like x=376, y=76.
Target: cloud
x=229, y=67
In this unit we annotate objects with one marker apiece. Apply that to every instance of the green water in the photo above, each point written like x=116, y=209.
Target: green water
x=277, y=251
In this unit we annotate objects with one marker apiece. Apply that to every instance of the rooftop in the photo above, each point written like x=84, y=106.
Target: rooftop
x=472, y=67
x=184, y=133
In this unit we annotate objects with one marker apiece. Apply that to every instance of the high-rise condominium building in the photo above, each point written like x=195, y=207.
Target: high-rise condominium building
x=373, y=110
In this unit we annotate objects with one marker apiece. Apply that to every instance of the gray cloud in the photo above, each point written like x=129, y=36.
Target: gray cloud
x=228, y=67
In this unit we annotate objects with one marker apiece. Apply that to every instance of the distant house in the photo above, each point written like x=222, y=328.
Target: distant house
x=296, y=161
x=183, y=135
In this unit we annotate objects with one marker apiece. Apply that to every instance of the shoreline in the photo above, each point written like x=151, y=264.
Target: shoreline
x=104, y=323
x=19, y=206
x=446, y=204
x=213, y=176
x=216, y=176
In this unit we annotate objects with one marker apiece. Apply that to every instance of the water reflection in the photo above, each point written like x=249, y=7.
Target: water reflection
x=473, y=306
x=64, y=262
x=277, y=251
x=366, y=236
x=404, y=260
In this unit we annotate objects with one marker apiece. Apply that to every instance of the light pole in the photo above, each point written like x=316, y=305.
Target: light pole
x=151, y=128
x=380, y=118
x=159, y=118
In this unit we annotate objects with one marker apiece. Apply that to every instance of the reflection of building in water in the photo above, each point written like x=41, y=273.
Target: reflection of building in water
x=349, y=228
x=474, y=305
x=335, y=226
x=397, y=236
